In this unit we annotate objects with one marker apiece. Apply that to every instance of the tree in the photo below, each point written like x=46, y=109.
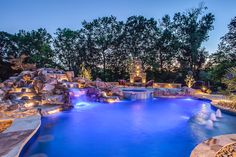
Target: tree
x=85, y=73
x=6, y=45
x=189, y=80
x=230, y=79
x=139, y=36
x=65, y=47
x=162, y=58
x=192, y=28
x=103, y=32
x=227, y=47
x=105, y=45
x=36, y=44
x=225, y=57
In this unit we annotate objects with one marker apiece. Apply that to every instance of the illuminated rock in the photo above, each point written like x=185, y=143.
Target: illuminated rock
x=30, y=103
x=21, y=83
x=28, y=89
x=38, y=85
x=13, y=107
x=2, y=85
x=9, y=83
x=2, y=93
x=70, y=75
x=52, y=81
x=54, y=99
x=48, y=87
x=26, y=77
x=117, y=92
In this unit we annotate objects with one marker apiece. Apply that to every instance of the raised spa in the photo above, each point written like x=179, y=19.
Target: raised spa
x=137, y=94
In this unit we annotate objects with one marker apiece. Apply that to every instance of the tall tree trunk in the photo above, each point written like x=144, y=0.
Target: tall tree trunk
x=104, y=66
x=161, y=60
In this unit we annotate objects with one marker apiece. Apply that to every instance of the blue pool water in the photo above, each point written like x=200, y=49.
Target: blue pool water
x=153, y=128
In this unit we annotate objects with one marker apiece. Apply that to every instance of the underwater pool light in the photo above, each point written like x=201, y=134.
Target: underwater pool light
x=82, y=104
x=189, y=99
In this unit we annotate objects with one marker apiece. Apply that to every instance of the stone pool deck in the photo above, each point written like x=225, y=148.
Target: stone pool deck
x=17, y=135
x=210, y=147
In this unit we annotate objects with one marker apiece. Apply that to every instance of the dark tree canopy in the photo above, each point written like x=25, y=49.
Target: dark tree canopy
x=192, y=30
x=225, y=57
x=168, y=48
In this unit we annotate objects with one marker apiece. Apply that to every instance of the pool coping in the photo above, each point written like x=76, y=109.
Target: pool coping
x=32, y=124
x=28, y=139
x=33, y=128
x=225, y=110
x=211, y=146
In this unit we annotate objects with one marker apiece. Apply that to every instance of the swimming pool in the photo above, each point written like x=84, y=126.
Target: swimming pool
x=161, y=127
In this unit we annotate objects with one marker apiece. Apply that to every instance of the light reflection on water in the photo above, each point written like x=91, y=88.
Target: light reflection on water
x=159, y=127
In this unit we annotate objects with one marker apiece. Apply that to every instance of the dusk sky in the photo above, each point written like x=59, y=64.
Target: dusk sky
x=52, y=14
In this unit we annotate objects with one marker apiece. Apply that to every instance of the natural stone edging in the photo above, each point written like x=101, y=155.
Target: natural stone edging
x=28, y=139
x=210, y=147
x=227, y=110
x=30, y=124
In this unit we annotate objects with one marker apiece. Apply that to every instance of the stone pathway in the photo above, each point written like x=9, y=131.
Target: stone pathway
x=13, y=139
x=210, y=147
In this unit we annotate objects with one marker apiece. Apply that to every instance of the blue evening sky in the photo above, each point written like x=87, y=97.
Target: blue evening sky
x=52, y=14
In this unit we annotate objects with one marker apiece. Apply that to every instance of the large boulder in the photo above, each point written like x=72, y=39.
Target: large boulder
x=13, y=107
x=2, y=85
x=3, y=106
x=9, y=83
x=81, y=80
x=117, y=92
x=30, y=103
x=30, y=73
x=52, y=81
x=92, y=91
x=103, y=85
x=2, y=93
x=21, y=83
x=70, y=75
x=188, y=91
x=38, y=85
x=158, y=92
x=49, y=76
x=27, y=77
x=48, y=87
x=54, y=99
x=14, y=78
